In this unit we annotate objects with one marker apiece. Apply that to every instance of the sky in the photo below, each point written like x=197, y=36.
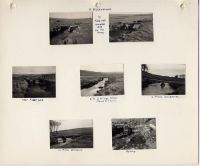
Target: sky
x=104, y=68
x=72, y=124
x=166, y=69
x=71, y=15
x=130, y=14
x=34, y=70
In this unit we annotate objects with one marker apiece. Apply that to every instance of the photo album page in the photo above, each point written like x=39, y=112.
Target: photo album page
x=99, y=82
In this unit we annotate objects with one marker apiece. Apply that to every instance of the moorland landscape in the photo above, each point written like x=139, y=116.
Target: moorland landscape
x=101, y=83
x=68, y=30
x=75, y=137
x=34, y=82
x=139, y=133
x=165, y=84
x=131, y=27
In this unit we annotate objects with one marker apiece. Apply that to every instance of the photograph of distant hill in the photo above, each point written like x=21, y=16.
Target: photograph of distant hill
x=163, y=79
x=135, y=133
x=34, y=82
x=71, y=28
x=67, y=134
x=102, y=80
x=130, y=27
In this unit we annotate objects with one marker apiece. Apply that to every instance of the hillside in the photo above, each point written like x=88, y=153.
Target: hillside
x=72, y=138
x=177, y=84
x=89, y=73
x=77, y=131
x=92, y=73
x=158, y=78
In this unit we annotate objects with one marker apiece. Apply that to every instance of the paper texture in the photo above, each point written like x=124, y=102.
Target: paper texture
x=25, y=41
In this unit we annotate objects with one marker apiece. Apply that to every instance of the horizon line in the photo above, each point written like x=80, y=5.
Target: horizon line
x=103, y=71
x=76, y=128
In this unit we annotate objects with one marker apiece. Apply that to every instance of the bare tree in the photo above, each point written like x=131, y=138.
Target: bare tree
x=57, y=125
x=145, y=68
x=51, y=126
x=54, y=125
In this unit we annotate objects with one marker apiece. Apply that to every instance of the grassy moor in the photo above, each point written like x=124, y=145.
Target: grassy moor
x=137, y=133
x=131, y=27
x=70, y=30
x=101, y=83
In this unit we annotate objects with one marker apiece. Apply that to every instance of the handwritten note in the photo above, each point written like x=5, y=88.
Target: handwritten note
x=70, y=150
x=103, y=99
x=99, y=23
x=165, y=96
x=32, y=99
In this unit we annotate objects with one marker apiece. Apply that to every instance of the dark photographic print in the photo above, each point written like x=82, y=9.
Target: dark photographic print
x=67, y=134
x=34, y=82
x=163, y=79
x=102, y=80
x=71, y=28
x=139, y=133
x=130, y=27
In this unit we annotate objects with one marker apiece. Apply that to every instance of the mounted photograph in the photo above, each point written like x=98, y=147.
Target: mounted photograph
x=134, y=133
x=163, y=79
x=130, y=27
x=71, y=28
x=34, y=82
x=68, y=134
x=102, y=80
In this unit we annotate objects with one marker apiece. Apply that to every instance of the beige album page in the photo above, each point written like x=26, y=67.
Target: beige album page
x=99, y=81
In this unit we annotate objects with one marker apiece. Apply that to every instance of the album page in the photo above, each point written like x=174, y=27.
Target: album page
x=99, y=82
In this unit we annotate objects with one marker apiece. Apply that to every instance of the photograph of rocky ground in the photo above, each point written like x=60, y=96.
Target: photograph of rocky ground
x=130, y=27
x=162, y=79
x=68, y=134
x=71, y=28
x=34, y=82
x=137, y=133
x=102, y=80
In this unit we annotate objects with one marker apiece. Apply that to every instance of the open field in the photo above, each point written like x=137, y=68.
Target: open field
x=34, y=85
x=131, y=27
x=176, y=85
x=72, y=138
x=71, y=31
x=134, y=134
x=101, y=84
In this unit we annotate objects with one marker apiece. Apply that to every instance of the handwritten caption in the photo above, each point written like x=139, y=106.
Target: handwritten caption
x=33, y=99
x=99, y=9
x=164, y=97
x=99, y=24
x=109, y=99
x=71, y=150
x=130, y=151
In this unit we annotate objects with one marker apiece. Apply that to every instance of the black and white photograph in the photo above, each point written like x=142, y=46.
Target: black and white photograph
x=34, y=82
x=102, y=80
x=130, y=27
x=134, y=133
x=73, y=133
x=163, y=79
x=71, y=28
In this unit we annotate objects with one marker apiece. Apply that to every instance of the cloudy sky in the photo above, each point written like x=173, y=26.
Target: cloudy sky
x=166, y=69
x=71, y=15
x=34, y=70
x=104, y=68
x=72, y=124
